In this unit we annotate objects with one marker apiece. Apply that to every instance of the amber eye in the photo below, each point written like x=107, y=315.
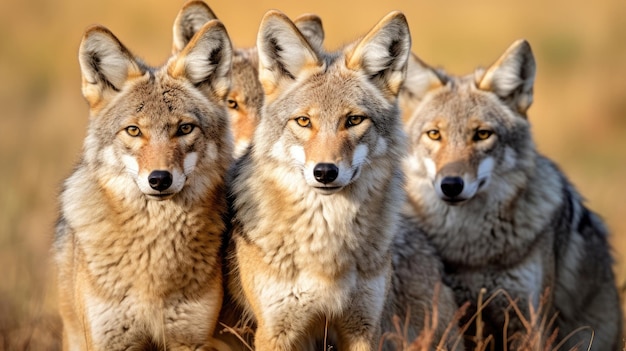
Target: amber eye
x=185, y=129
x=434, y=134
x=232, y=104
x=354, y=120
x=133, y=131
x=303, y=121
x=482, y=134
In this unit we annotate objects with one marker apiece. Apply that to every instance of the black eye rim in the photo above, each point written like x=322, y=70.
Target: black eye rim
x=232, y=104
x=133, y=127
x=429, y=134
x=181, y=132
x=303, y=118
x=350, y=123
x=478, y=138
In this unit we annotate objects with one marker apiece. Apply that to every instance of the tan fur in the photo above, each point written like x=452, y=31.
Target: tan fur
x=501, y=215
x=316, y=196
x=246, y=93
x=140, y=229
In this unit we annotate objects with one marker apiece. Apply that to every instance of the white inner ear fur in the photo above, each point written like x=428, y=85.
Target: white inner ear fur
x=194, y=17
x=506, y=79
x=515, y=68
x=295, y=52
x=374, y=53
x=113, y=63
x=197, y=66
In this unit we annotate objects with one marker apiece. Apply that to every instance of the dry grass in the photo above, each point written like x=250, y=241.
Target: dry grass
x=539, y=334
x=579, y=114
x=43, y=332
x=28, y=331
x=539, y=330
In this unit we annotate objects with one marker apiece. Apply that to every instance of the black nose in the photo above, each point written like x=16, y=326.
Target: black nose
x=325, y=172
x=160, y=180
x=452, y=186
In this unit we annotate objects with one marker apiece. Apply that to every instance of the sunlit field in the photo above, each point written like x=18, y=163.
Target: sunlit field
x=578, y=117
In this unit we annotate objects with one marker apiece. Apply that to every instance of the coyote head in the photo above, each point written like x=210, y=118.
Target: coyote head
x=466, y=131
x=162, y=128
x=327, y=116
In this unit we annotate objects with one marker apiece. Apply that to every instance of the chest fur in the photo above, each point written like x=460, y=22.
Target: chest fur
x=150, y=252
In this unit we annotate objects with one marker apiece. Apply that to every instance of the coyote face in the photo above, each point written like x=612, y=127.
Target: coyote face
x=330, y=119
x=153, y=126
x=329, y=146
x=159, y=154
x=463, y=133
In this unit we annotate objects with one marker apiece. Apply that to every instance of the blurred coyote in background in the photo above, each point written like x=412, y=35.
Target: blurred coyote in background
x=141, y=223
x=500, y=214
x=245, y=98
x=317, y=197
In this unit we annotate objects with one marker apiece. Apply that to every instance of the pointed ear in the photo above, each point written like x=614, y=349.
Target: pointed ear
x=420, y=79
x=193, y=15
x=105, y=65
x=310, y=26
x=206, y=61
x=284, y=54
x=512, y=76
x=383, y=53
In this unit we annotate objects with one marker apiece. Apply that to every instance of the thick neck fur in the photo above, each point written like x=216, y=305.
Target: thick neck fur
x=499, y=225
x=302, y=231
x=158, y=241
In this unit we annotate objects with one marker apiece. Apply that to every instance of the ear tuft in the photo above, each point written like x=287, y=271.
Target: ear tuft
x=284, y=53
x=512, y=76
x=105, y=64
x=193, y=15
x=206, y=60
x=383, y=53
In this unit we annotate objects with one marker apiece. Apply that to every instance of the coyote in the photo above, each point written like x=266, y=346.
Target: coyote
x=501, y=215
x=316, y=198
x=141, y=217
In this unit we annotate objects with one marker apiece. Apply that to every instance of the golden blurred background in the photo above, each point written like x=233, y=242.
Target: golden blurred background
x=579, y=114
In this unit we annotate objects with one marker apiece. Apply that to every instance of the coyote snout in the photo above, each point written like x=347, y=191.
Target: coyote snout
x=325, y=172
x=160, y=180
x=328, y=177
x=455, y=183
x=160, y=161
